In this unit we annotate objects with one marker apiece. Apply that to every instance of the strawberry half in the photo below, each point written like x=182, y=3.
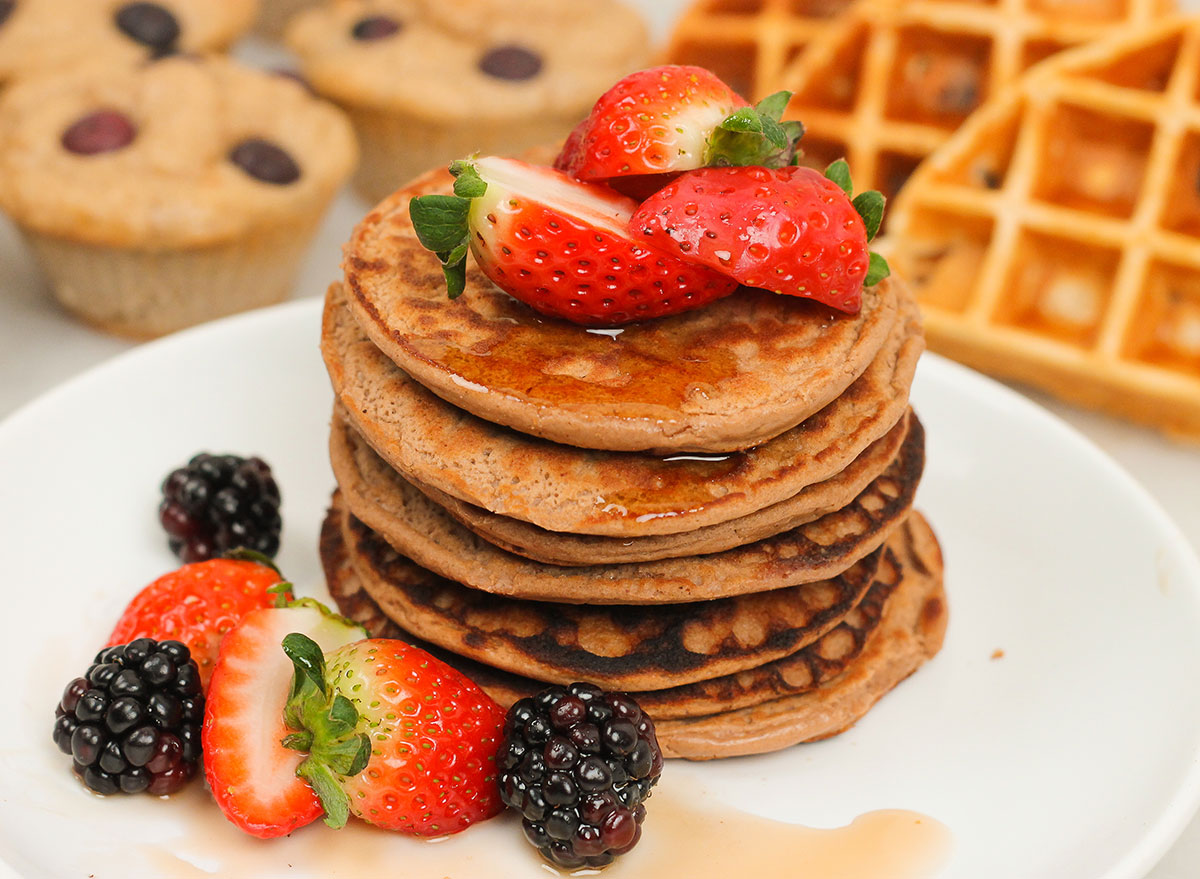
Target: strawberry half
x=251, y=774
x=393, y=736
x=198, y=603
x=560, y=246
x=790, y=230
x=675, y=118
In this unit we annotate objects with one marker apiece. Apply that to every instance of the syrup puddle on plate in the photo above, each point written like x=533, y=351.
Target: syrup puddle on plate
x=686, y=834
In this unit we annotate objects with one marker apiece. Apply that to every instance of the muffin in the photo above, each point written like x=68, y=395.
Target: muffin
x=44, y=35
x=159, y=195
x=426, y=82
x=274, y=15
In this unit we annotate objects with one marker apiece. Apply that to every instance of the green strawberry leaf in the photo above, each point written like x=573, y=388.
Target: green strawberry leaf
x=877, y=271
x=308, y=660
x=333, y=799
x=839, y=173
x=772, y=106
x=440, y=221
x=467, y=182
x=755, y=136
x=869, y=205
x=442, y=225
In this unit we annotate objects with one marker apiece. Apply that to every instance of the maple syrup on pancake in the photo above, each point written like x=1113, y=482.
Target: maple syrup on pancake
x=684, y=836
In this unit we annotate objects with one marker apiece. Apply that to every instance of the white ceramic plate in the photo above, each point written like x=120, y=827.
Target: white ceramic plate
x=1074, y=756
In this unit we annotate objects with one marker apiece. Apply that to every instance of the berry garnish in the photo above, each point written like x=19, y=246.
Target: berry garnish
x=252, y=775
x=513, y=63
x=671, y=119
x=132, y=722
x=560, y=246
x=149, y=24
x=101, y=132
x=789, y=230
x=218, y=503
x=393, y=736
x=375, y=27
x=577, y=763
x=198, y=604
x=266, y=162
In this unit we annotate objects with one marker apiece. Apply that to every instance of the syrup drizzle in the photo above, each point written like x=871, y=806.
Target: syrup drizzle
x=686, y=834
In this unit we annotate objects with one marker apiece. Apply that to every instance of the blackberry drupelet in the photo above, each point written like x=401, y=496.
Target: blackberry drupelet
x=220, y=502
x=577, y=763
x=132, y=723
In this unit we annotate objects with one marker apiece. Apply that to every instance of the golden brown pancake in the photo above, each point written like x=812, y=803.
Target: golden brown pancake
x=616, y=494
x=621, y=646
x=815, y=693
x=910, y=633
x=724, y=377
x=562, y=548
x=804, y=670
x=424, y=532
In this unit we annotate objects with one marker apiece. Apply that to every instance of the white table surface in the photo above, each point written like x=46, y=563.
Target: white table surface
x=41, y=346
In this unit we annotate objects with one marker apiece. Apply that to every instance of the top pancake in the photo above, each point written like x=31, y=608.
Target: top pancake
x=721, y=378
x=586, y=491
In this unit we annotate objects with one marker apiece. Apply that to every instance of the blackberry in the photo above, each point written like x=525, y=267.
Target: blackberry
x=577, y=763
x=218, y=503
x=132, y=722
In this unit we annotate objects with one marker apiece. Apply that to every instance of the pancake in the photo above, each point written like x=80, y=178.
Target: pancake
x=616, y=494
x=561, y=548
x=804, y=670
x=617, y=646
x=910, y=633
x=725, y=377
x=427, y=534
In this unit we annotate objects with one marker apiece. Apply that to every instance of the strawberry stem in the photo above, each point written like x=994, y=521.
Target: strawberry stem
x=756, y=136
x=869, y=206
x=324, y=725
x=440, y=222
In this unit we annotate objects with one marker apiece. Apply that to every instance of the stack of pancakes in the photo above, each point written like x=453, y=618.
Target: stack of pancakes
x=711, y=511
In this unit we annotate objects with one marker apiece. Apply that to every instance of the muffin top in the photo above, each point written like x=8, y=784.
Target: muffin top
x=180, y=152
x=41, y=35
x=483, y=59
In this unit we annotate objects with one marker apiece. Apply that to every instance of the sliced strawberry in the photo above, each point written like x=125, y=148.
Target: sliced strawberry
x=197, y=604
x=790, y=230
x=394, y=736
x=251, y=774
x=670, y=119
x=560, y=246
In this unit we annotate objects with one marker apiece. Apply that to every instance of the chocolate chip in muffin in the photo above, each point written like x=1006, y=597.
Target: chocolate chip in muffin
x=511, y=62
x=265, y=161
x=375, y=27
x=100, y=132
x=150, y=24
x=6, y=7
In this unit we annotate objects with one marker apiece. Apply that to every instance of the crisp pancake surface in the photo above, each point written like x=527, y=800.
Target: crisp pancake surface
x=724, y=377
x=910, y=633
x=627, y=647
x=800, y=672
x=427, y=534
x=620, y=494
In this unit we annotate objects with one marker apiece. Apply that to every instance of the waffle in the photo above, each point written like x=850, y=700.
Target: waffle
x=891, y=80
x=748, y=43
x=1056, y=239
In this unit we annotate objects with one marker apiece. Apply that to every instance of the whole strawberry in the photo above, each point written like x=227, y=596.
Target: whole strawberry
x=198, y=604
x=790, y=230
x=393, y=736
x=675, y=118
x=560, y=246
